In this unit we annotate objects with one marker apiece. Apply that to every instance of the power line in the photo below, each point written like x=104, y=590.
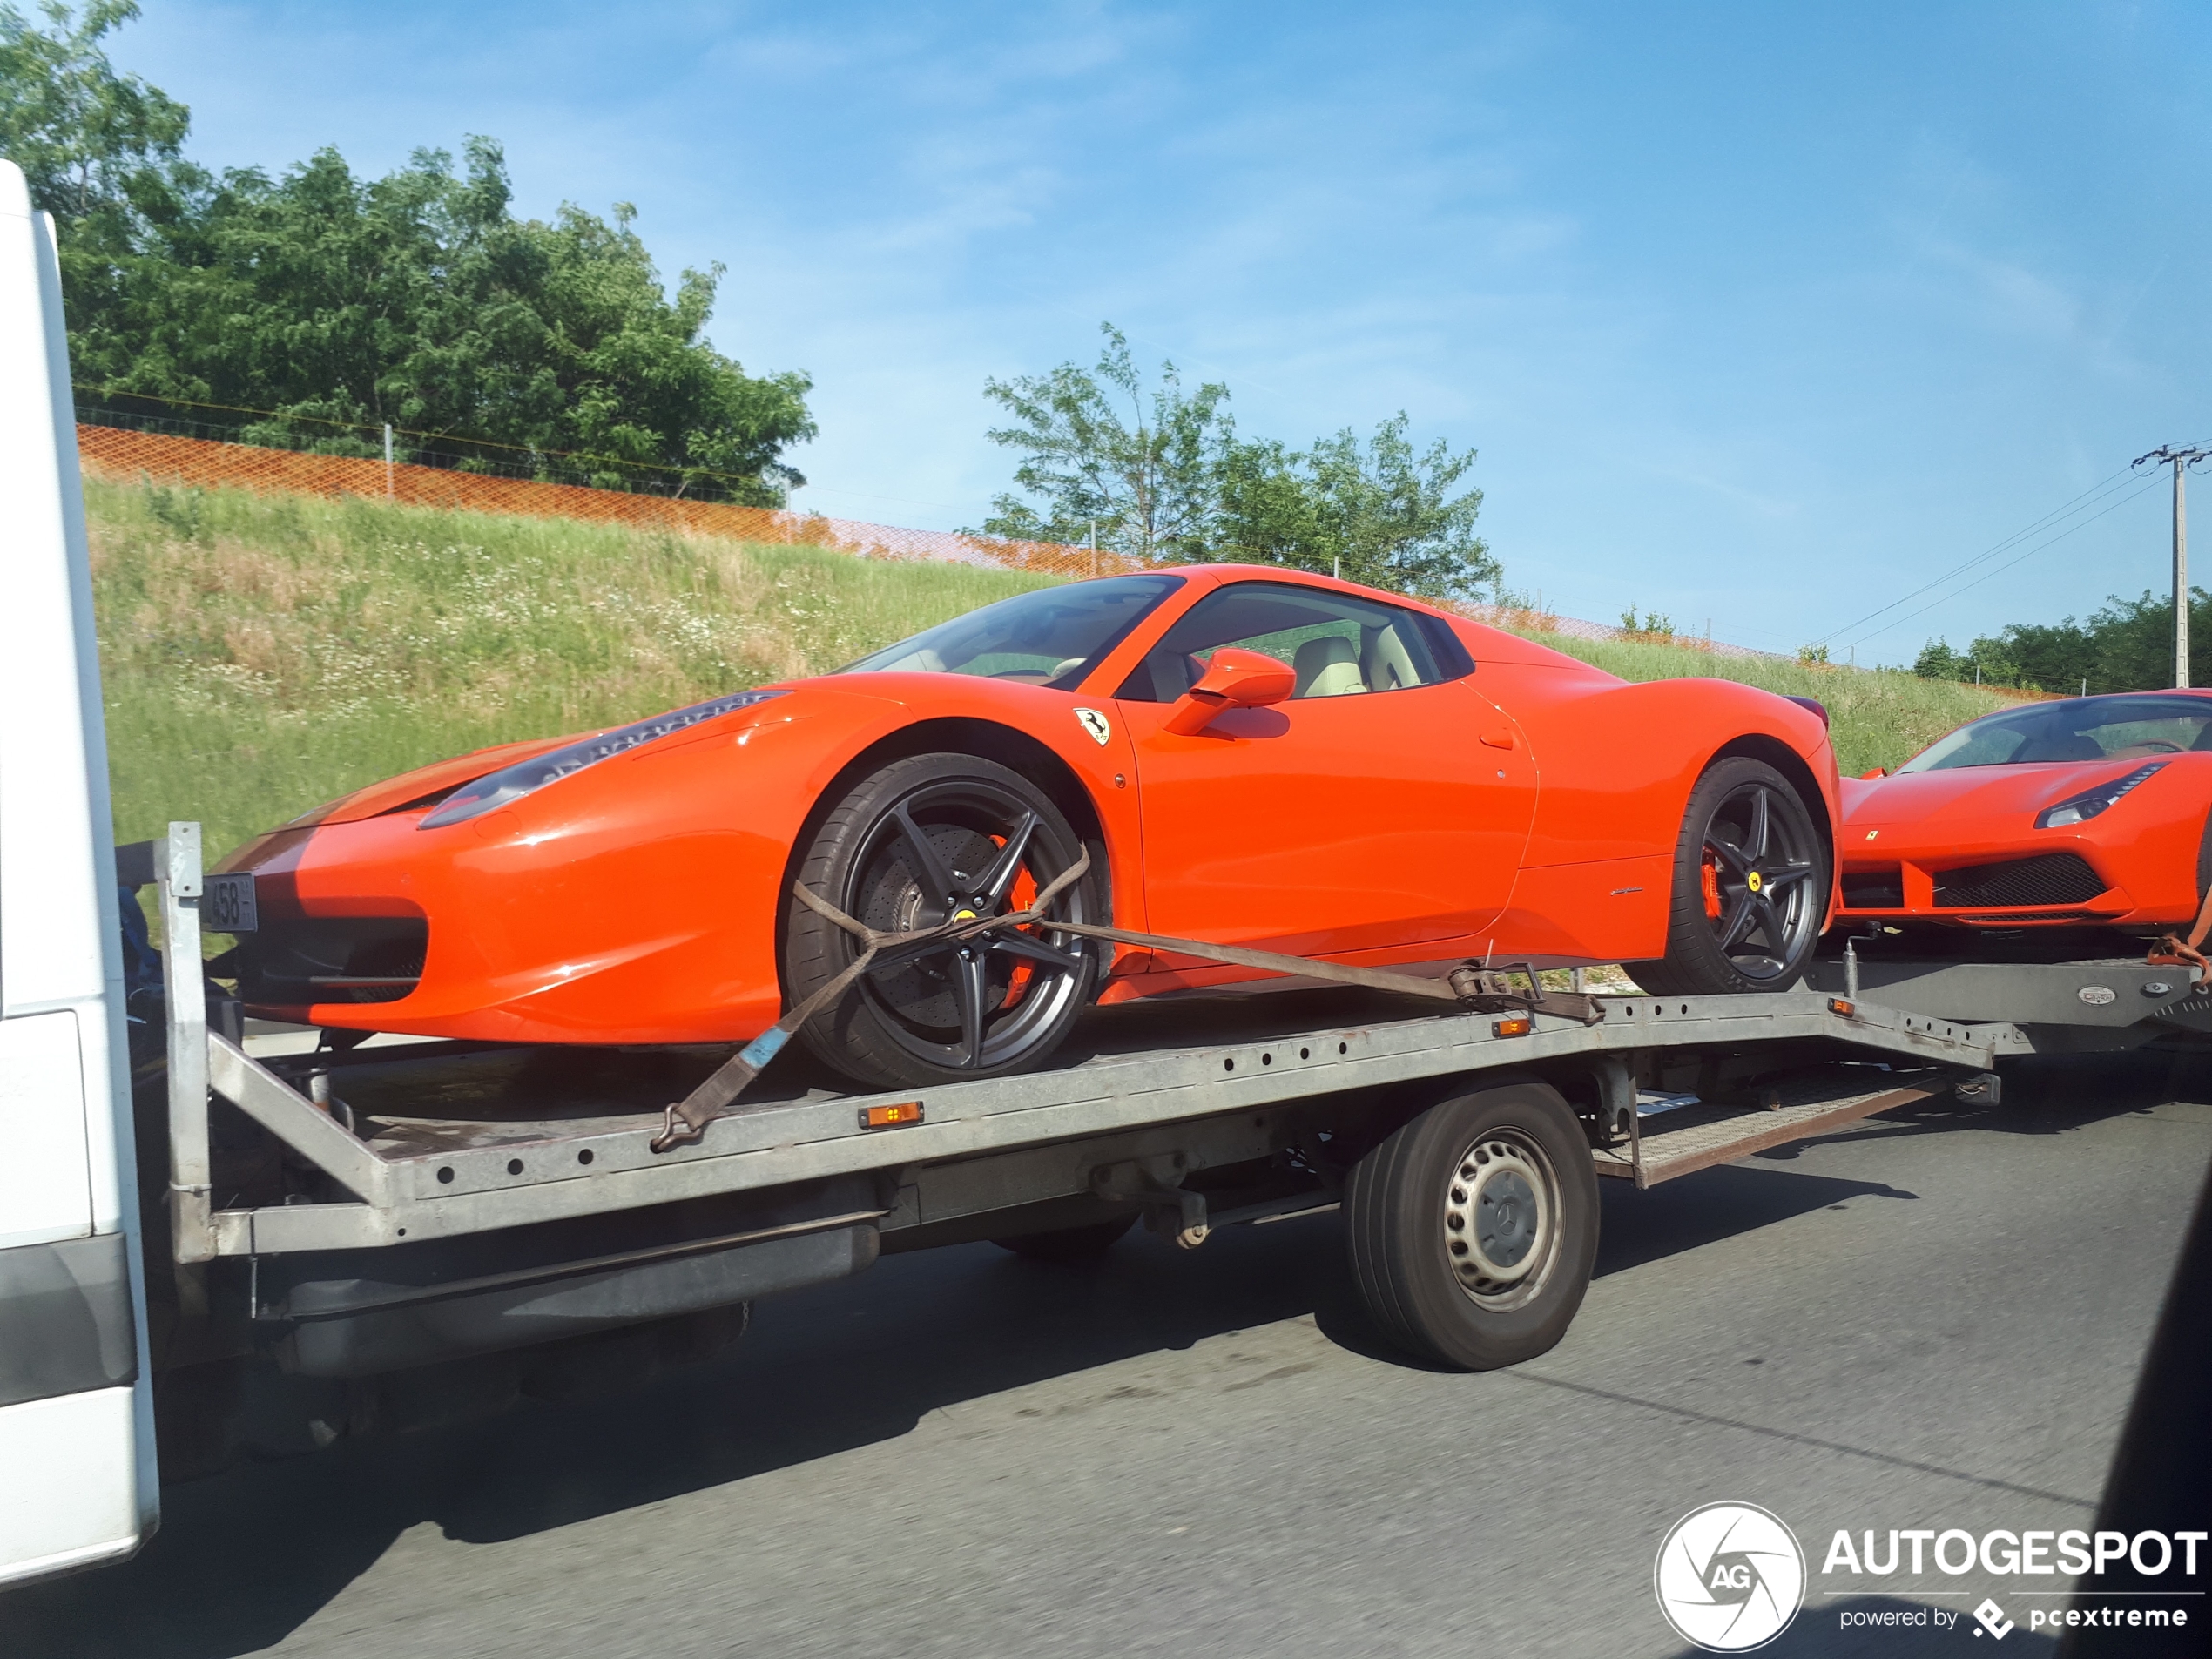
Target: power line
x=2101, y=487
x=2000, y=569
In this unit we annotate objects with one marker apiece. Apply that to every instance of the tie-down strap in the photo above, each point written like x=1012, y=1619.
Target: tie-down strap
x=1477, y=989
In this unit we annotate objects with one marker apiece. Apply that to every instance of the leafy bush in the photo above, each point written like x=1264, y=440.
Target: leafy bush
x=2126, y=646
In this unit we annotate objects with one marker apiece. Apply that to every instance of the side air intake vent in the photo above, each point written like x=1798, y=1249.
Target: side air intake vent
x=1882, y=889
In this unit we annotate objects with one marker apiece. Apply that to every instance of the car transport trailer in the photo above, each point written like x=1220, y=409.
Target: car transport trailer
x=268, y=1241
x=402, y=1230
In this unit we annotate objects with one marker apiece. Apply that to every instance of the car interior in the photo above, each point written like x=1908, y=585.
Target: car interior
x=1336, y=645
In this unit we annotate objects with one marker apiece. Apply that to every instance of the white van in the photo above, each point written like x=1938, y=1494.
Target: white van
x=78, y=1484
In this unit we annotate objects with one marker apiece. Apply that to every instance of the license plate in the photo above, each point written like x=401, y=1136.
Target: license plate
x=228, y=906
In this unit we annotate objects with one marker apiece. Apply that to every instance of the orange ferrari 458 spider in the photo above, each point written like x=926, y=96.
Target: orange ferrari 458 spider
x=1249, y=757
x=2092, y=812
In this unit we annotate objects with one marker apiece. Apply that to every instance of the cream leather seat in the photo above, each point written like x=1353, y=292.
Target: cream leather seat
x=1388, y=664
x=1326, y=667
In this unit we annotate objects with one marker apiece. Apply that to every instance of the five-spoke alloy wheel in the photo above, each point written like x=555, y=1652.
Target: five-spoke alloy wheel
x=1751, y=882
x=927, y=839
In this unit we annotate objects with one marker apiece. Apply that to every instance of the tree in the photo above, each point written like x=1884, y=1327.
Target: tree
x=1175, y=482
x=1143, y=487
x=1936, y=661
x=418, y=299
x=2126, y=646
x=101, y=151
x=336, y=304
x=1383, y=516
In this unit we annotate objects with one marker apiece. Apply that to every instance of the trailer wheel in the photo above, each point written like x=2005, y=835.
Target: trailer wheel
x=924, y=840
x=1084, y=1243
x=1473, y=1227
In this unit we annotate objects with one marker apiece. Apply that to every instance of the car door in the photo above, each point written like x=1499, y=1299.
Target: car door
x=1383, y=806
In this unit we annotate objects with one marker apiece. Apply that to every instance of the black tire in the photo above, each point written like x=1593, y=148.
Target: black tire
x=1084, y=1243
x=944, y=1013
x=1427, y=1282
x=1752, y=879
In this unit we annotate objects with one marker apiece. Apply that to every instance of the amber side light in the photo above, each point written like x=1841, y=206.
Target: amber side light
x=907, y=1111
x=1519, y=1026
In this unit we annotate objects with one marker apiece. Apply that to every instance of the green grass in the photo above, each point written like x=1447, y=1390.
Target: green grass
x=261, y=654
x=1877, y=718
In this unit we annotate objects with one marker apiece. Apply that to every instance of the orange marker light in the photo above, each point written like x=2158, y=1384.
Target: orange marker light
x=1519, y=1026
x=907, y=1111
x=1836, y=1005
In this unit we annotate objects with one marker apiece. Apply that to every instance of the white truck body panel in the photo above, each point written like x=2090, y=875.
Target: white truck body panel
x=77, y=1479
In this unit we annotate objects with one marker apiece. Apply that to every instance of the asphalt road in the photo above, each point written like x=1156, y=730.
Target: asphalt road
x=1931, y=1320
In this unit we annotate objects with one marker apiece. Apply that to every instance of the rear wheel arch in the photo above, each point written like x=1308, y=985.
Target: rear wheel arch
x=1760, y=937
x=1757, y=745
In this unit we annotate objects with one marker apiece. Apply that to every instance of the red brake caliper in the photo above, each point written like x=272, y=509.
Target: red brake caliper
x=1022, y=895
x=1709, y=872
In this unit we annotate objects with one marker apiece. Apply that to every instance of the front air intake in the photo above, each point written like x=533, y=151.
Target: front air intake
x=2050, y=877
x=294, y=960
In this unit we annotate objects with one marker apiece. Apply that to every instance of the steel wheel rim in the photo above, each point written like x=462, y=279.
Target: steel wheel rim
x=1501, y=1222
x=1755, y=871
x=965, y=844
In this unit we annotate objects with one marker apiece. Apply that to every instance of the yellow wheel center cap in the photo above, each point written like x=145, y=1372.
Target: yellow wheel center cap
x=1752, y=881
x=965, y=916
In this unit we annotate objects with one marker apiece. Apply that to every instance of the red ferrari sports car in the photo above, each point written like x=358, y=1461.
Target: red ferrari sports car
x=2088, y=812
x=1250, y=756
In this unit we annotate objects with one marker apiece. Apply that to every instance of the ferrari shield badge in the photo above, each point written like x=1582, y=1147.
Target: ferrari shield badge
x=1094, y=723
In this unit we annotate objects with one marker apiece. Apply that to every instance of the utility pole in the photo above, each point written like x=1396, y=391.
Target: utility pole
x=2180, y=457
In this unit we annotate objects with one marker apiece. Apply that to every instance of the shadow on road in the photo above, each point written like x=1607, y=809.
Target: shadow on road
x=245, y=1558
x=2049, y=1095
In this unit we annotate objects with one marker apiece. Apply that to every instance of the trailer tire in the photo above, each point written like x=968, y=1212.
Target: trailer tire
x=1084, y=1243
x=1473, y=1229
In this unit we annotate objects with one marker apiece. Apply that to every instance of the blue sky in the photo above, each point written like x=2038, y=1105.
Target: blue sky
x=1755, y=314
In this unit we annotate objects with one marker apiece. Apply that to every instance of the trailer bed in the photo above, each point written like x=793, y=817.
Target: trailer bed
x=471, y=1141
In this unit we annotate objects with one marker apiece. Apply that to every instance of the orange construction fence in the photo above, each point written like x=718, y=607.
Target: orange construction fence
x=115, y=452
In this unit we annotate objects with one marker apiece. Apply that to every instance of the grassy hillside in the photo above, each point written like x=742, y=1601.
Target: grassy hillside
x=1878, y=719
x=262, y=654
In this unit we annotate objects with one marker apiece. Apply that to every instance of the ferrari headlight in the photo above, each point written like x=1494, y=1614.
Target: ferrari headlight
x=2080, y=809
x=496, y=790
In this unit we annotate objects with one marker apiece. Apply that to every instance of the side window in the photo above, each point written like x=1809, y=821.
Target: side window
x=1336, y=644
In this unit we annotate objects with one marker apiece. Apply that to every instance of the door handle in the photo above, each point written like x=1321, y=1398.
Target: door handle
x=1499, y=737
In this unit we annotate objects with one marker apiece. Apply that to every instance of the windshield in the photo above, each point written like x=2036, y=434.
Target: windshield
x=1053, y=637
x=2097, y=728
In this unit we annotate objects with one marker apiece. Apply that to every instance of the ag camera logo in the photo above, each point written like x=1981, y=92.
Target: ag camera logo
x=1730, y=1577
